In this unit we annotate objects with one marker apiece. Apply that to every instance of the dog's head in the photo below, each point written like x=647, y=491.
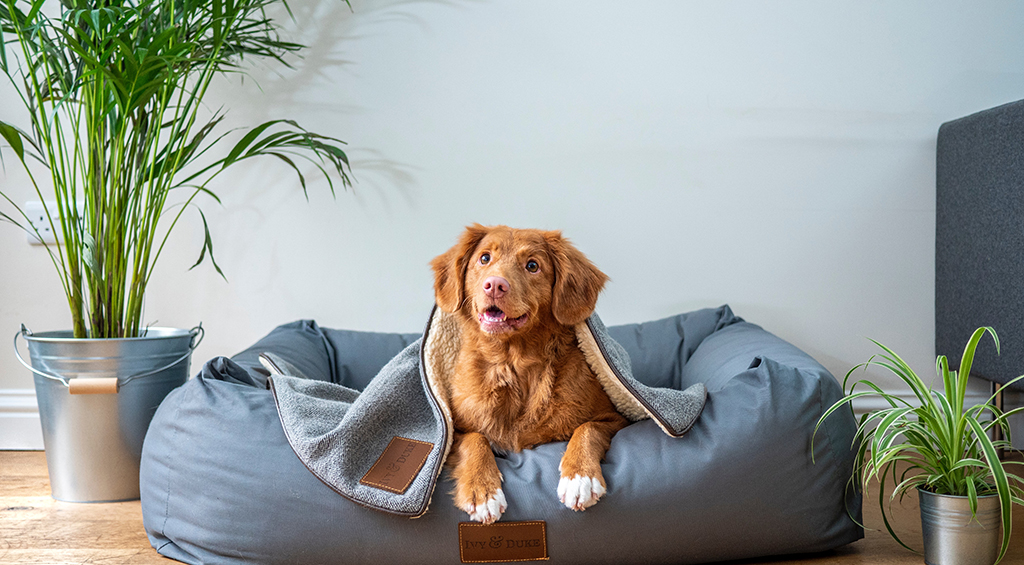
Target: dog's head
x=508, y=280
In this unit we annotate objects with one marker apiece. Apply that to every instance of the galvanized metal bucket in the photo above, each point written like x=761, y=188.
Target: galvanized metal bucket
x=96, y=398
x=953, y=536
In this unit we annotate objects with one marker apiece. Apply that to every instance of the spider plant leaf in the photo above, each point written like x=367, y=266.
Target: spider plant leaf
x=885, y=518
x=991, y=399
x=900, y=368
x=893, y=455
x=1001, y=483
x=849, y=373
x=865, y=429
x=916, y=385
x=865, y=420
x=906, y=486
x=884, y=428
x=941, y=421
x=968, y=463
x=964, y=372
x=891, y=399
x=893, y=356
x=972, y=497
x=942, y=368
x=924, y=444
x=1000, y=419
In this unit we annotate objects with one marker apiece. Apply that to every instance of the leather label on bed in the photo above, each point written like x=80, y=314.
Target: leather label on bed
x=398, y=465
x=503, y=541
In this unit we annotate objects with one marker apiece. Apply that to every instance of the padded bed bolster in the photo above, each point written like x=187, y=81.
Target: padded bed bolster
x=220, y=484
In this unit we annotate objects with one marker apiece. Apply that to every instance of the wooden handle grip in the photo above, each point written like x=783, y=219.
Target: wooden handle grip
x=93, y=385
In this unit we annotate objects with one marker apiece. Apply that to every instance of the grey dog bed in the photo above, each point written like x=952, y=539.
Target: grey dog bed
x=221, y=484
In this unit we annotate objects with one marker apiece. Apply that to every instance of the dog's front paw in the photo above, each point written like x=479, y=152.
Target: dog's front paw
x=580, y=492
x=483, y=508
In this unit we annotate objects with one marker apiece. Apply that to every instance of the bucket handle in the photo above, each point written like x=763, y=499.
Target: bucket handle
x=95, y=386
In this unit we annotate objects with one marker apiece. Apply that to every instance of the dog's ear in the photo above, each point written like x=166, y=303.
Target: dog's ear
x=577, y=281
x=450, y=268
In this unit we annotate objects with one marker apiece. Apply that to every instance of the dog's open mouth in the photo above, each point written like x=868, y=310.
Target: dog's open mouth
x=494, y=320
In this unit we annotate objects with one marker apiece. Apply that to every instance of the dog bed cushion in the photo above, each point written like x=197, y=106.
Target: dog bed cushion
x=221, y=484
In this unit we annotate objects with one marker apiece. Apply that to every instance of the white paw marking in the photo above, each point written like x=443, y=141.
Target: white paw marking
x=580, y=493
x=490, y=511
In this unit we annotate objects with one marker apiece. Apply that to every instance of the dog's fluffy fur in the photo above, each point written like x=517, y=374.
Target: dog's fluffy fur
x=520, y=379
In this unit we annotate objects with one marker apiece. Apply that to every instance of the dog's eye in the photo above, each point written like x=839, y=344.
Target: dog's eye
x=532, y=266
x=485, y=258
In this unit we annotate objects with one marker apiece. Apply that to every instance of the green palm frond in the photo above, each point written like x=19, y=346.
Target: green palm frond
x=114, y=92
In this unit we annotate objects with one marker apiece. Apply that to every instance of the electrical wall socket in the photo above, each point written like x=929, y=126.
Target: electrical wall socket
x=37, y=217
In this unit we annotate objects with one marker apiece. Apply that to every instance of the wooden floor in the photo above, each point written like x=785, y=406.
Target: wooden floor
x=34, y=528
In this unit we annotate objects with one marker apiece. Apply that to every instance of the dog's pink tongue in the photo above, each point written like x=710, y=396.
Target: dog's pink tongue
x=494, y=315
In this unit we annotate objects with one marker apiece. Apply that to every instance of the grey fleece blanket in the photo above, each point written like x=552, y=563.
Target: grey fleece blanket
x=341, y=434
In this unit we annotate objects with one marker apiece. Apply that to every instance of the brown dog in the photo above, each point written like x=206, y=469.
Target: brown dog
x=521, y=379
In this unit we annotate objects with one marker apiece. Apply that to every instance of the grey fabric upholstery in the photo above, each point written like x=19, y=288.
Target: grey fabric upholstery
x=220, y=483
x=979, y=239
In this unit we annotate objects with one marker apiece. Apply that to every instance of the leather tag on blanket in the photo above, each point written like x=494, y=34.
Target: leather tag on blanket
x=398, y=465
x=503, y=541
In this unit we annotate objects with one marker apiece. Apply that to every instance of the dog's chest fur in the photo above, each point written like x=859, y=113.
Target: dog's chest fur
x=518, y=399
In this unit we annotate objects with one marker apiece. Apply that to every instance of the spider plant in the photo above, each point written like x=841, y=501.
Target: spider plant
x=114, y=93
x=934, y=443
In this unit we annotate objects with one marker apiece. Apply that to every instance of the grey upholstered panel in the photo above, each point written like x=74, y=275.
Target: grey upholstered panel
x=220, y=483
x=979, y=238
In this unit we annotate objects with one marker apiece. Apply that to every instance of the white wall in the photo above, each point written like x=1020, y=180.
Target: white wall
x=776, y=156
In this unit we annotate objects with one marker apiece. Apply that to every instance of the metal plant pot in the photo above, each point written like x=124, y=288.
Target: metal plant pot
x=96, y=398
x=952, y=536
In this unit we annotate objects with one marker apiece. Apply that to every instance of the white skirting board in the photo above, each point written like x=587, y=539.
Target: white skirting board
x=19, y=420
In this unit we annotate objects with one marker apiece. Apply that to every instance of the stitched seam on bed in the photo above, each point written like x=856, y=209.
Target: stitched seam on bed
x=174, y=436
x=833, y=448
x=832, y=444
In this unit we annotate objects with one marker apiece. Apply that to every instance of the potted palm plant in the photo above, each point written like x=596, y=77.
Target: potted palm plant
x=941, y=449
x=113, y=91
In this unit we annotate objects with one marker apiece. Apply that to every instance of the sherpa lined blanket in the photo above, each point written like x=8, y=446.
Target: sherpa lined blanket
x=385, y=447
